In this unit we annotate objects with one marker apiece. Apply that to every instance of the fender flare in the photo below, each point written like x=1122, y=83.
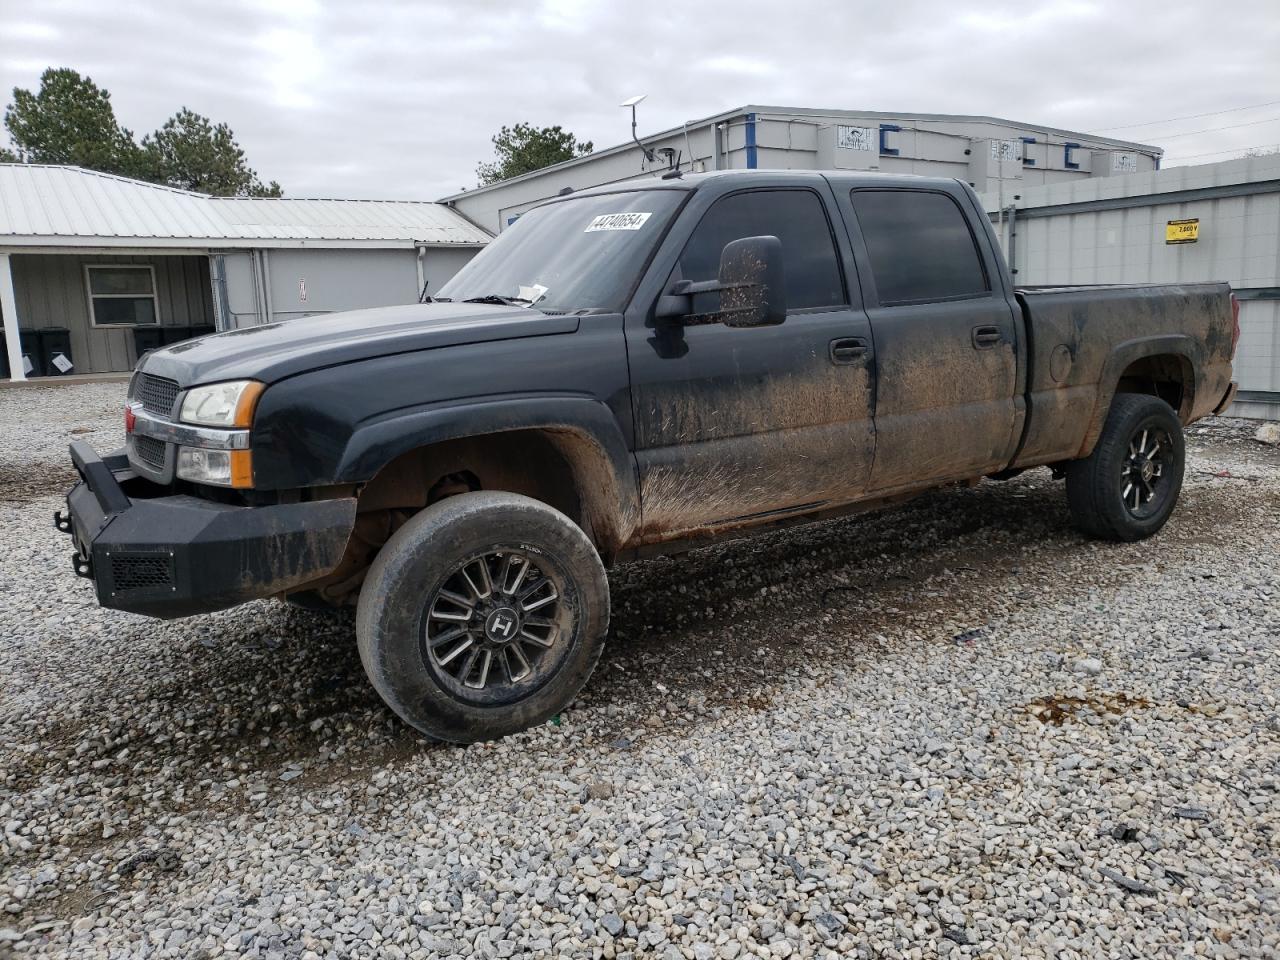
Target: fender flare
x=1127, y=352
x=584, y=429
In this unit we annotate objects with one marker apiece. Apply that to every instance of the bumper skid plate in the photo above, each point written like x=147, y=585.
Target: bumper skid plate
x=154, y=552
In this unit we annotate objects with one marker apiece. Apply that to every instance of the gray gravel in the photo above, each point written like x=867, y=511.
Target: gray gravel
x=956, y=729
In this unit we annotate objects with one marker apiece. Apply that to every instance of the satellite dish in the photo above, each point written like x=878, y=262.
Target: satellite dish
x=648, y=154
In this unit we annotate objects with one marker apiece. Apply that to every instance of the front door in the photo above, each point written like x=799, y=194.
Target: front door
x=946, y=340
x=735, y=425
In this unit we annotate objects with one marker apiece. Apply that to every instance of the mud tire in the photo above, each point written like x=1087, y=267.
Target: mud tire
x=392, y=616
x=1095, y=484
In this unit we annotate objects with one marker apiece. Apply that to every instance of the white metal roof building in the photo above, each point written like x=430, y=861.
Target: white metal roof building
x=987, y=152
x=49, y=206
x=120, y=264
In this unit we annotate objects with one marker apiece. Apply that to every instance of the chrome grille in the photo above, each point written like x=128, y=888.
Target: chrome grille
x=150, y=451
x=157, y=394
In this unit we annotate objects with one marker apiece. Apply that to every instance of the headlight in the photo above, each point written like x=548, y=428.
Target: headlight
x=223, y=468
x=228, y=404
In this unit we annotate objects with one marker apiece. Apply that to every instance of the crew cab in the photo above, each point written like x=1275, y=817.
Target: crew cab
x=626, y=371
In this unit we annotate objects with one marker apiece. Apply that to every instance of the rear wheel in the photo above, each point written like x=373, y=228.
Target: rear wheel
x=483, y=615
x=1127, y=488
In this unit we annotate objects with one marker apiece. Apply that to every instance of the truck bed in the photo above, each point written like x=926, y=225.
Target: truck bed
x=1086, y=343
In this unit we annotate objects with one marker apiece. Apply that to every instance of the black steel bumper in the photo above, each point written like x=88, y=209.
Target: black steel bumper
x=168, y=555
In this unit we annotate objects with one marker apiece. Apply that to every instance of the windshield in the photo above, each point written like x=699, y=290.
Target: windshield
x=577, y=254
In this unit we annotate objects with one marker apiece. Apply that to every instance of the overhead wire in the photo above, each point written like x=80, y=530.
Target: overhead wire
x=1190, y=116
x=1229, y=126
x=1214, y=153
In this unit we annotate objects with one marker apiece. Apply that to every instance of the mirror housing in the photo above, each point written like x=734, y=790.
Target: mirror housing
x=751, y=284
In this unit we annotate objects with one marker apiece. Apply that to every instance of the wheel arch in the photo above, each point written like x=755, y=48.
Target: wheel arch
x=554, y=441
x=1162, y=366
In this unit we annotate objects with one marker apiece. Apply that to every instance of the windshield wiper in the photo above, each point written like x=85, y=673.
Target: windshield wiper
x=499, y=300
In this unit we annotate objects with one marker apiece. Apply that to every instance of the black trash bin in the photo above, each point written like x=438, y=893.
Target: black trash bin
x=146, y=339
x=203, y=331
x=29, y=340
x=175, y=334
x=4, y=357
x=55, y=352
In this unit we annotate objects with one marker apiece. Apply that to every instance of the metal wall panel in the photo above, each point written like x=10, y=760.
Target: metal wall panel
x=50, y=292
x=1113, y=231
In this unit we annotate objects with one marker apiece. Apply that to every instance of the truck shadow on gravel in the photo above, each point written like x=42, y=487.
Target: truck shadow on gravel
x=274, y=699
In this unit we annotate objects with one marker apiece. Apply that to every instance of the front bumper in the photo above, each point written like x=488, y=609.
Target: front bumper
x=171, y=555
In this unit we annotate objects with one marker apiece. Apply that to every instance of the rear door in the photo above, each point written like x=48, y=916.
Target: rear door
x=735, y=424
x=945, y=337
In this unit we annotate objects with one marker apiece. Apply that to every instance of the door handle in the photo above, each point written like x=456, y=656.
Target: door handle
x=848, y=350
x=985, y=338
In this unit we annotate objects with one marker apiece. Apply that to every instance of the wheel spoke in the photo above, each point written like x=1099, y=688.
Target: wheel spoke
x=456, y=598
x=1142, y=444
x=525, y=668
x=524, y=570
x=467, y=666
x=447, y=636
x=486, y=658
x=450, y=615
x=505, y=574
x=540, y=641
x=530, y=606
x=452, y=654
x=484, y=588
x=1128, y=487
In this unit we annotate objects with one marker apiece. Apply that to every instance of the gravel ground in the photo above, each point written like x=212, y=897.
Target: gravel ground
x=955, y=729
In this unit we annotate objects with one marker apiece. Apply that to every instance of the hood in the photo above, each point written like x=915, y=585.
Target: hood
x=274, y=351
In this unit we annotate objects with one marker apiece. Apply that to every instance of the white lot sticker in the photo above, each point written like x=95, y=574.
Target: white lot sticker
x=617, y=221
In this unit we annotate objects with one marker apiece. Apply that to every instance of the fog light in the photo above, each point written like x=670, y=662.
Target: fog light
x=223, y=468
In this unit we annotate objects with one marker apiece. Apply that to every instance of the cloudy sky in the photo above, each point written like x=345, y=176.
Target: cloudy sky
x=398, y=98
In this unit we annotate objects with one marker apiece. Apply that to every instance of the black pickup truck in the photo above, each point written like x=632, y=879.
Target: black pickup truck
x=629, y=370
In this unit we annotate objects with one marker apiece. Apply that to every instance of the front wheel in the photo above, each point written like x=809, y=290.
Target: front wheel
x=1126, y=489
x=483, y=615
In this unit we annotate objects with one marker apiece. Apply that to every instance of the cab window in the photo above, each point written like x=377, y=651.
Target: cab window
x=921, y=247
x=796, y=218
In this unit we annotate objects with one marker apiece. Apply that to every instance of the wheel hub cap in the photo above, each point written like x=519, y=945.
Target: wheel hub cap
x=502, y=625
x=1143, y=469
x=494, y=626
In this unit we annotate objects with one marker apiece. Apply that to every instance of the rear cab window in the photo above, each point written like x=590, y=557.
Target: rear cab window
x=921, y=246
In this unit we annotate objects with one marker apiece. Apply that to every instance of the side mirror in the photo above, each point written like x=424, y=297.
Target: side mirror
x=751, y=284
x=753, y=290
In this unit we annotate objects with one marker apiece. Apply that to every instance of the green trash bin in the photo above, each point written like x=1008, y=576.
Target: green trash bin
x=55, y=352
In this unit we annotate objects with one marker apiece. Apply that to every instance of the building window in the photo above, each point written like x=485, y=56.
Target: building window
x=122, y=296
x=920, y=245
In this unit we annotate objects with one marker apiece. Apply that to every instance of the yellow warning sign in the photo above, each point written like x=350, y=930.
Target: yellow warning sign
x=1182, y=231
